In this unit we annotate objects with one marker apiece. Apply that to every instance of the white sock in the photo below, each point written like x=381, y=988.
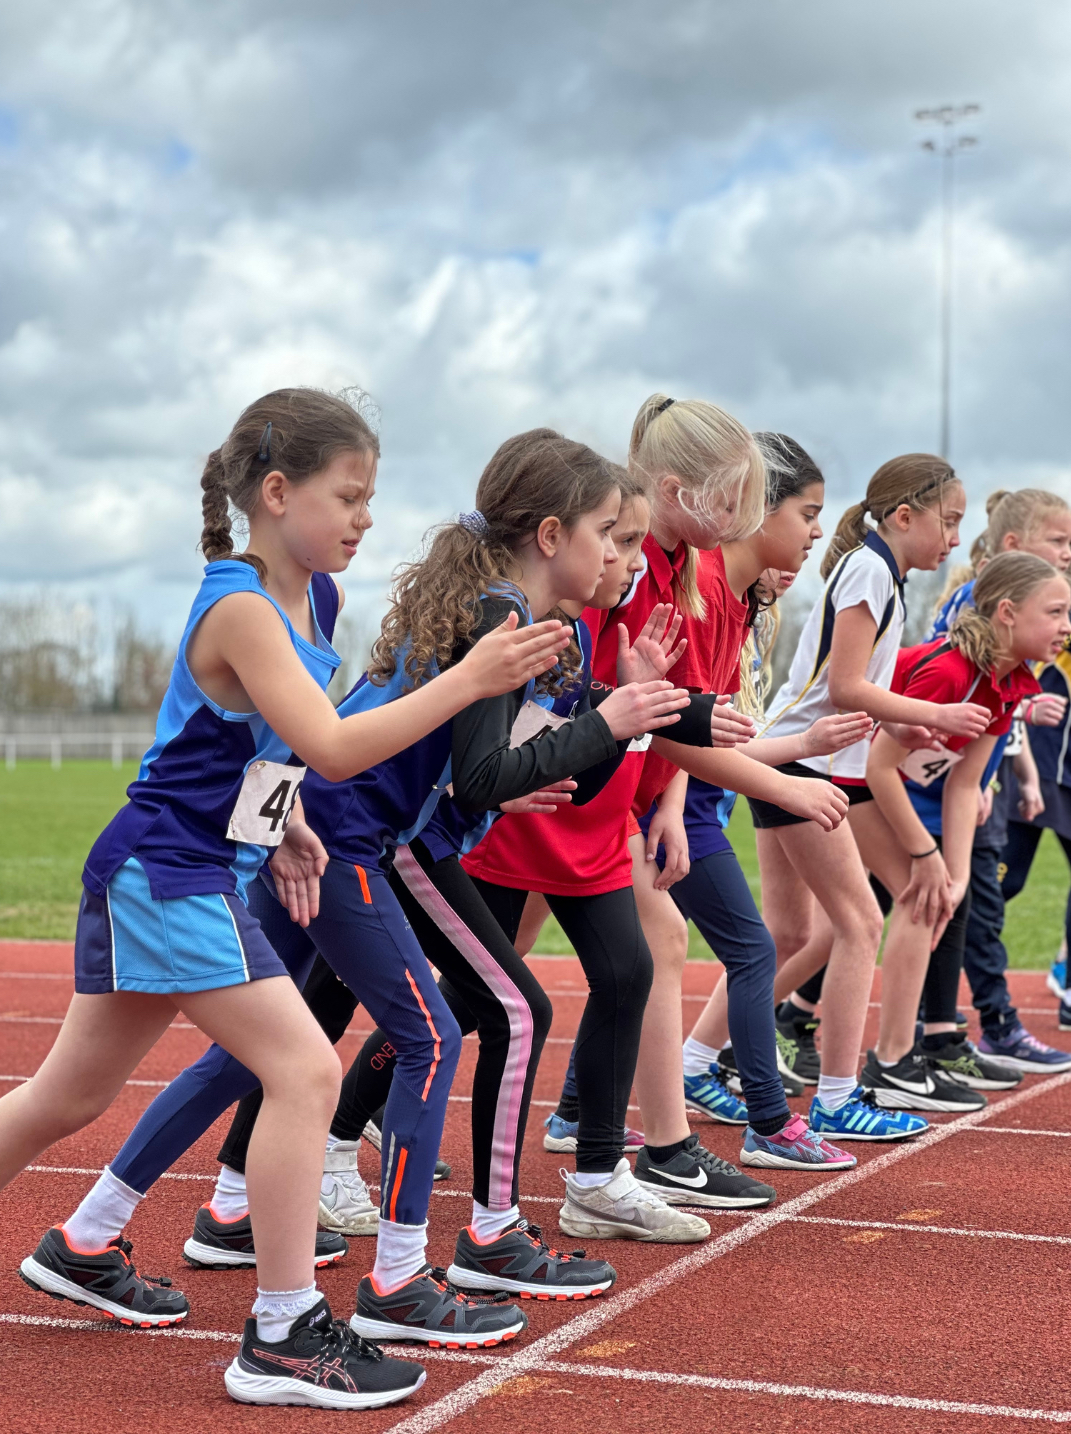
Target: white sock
x=102, y=1214
x=399, y=1254
x=589, y=1179
x=833, y=1091
x=698, y=1058
x=333, y=1140
x=488, y=1224
x=276, y=1310
x=229, y=1200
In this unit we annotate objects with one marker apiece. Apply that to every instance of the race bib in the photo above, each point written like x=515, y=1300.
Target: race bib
x=925, y=766
x=533, y=721
x=265, y=803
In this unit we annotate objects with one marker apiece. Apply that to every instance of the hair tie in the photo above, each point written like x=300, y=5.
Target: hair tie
x=475, y=523
x=264, y=451
x=663, y=406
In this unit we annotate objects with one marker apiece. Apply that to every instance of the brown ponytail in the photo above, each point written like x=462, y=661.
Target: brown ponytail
x=851, y=530
x=917, y=479
x=1009, y=575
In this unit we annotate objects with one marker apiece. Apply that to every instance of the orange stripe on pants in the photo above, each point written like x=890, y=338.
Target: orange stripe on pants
x=399, y=1172
x=434, y=1036
x=364, y=885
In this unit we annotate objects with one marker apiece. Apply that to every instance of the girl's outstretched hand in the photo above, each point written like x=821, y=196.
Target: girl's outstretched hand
x=546, y=800
x=653, y=653
x=299, y=861
x=962, y=719
x=913, y=739
x=505, y=658
x=815, y=801
x=728, y=727
x=833, y=734
x=642, y=707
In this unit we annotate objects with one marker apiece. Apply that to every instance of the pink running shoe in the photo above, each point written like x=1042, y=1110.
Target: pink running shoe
x=795, y=1147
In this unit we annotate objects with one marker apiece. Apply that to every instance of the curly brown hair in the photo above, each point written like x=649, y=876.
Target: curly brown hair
x=435, y=601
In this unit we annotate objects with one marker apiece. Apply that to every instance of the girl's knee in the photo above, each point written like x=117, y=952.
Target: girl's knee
x=445, y=1044
x=542, y=1014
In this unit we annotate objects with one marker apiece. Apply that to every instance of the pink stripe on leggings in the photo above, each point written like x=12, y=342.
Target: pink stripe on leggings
x=507, y=1137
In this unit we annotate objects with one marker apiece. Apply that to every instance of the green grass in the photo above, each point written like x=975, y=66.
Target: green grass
x=50, y=820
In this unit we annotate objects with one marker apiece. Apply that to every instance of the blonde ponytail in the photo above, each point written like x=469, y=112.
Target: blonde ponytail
x=1009, y=575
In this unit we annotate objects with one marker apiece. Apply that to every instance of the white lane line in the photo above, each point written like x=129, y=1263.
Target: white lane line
x=88, y=1170
x=36, y=976
x=806, y=1391
x=59, y=1020
x=1018, y=1130
x=907, y=1225
x=442, y=1411
x=154, y=1084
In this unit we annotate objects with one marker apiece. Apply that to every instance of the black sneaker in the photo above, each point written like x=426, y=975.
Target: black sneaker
x=696, y=1177
x=105, y=1279
x=959, y=1060
x=521, y=1263
x=429, y=1309
x=727, y=1063
x=799, y=1027
x=790, y=1082
x=228, y=1244
x=913, y=1084
x=373, y=1133
x=320, y=1363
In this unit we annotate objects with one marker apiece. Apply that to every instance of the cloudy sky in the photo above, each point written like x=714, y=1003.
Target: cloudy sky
x=495, y=216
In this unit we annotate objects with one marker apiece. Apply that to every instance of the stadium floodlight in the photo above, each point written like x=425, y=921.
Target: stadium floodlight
x=947, y=146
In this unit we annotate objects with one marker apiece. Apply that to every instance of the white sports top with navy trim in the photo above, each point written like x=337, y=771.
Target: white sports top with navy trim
x=210, y=782
x=867, y=574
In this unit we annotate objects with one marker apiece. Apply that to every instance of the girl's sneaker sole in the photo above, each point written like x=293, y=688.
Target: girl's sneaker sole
x=367, y=1224
x=381, y=1330
x=908, y=1100
x=1031, y=1068
x=477, y=1280
x=565, y=1146
x=208, y=1257
x=767, y=1160
x=712, y=1115
x=707, y=1202
x=47, y=1282
x=249, y=1388
x=583, y=1225
x=981, y=1082
x=836, y=1136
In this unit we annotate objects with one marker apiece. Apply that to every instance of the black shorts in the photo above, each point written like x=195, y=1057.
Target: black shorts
x=767, y=814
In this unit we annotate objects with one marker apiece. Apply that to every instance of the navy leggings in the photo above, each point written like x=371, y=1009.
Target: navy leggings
x=363, y=935
x=716, y=896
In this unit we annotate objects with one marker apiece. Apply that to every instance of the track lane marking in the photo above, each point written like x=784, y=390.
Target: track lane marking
x=1015, y=1130
x=904, y=1225
x=433, y=1416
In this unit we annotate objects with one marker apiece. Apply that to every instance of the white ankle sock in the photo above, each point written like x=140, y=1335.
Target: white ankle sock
x=833, y=1091
x=488, y=1224
x=589, y=1179
x=229, y=1199
x=102, y=1214
x=698, y=1058
x=276, y=1310
x=399, y=1254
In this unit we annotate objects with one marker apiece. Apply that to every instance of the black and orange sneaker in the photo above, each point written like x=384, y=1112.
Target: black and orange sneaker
x=320, y=1363
x=228, y=1244
x=520, y=1262
x=105, y=1279
x=432, y=1311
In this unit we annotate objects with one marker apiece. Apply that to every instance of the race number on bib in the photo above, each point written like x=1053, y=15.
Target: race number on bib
x=925, y=766
x=265, y=803
x=533, y=721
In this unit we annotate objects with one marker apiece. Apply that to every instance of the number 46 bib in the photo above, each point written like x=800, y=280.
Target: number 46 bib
x=265, y=803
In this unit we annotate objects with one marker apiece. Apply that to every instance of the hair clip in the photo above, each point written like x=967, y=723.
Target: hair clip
x=663, y=406
x=264, y=451
x=475, y=523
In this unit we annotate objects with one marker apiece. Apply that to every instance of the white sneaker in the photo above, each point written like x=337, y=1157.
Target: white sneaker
x=624, y=1210
x=345, y=1204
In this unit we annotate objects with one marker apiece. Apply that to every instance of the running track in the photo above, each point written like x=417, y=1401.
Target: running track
x=927, y=1290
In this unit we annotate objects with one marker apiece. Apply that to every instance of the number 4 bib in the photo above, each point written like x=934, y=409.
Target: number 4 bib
x=925, y=766
x=265, y=803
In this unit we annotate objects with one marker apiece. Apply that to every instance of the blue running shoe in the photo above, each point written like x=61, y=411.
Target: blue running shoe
x=794, y=1147
x=561, y=1136
x=1065, y=1016
x=1021, y=1051
x=861, y=1118
x=1056, y=981
x=709, y=1092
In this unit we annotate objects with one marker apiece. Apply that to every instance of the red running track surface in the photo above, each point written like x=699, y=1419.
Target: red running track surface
x=926, y=1290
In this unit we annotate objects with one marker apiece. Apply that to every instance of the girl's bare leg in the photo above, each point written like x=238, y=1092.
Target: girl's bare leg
x=830, y=864
x=100, y=1043
x=267, y=1026
x=712, y=1027
x=533, y=919
x=660, y=1068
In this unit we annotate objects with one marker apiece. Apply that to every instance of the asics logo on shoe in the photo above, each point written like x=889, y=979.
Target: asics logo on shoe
x=314, y=1371
x=695, y=1181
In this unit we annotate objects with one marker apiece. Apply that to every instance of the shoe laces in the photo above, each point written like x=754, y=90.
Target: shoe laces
x=711, y=1163
x=124, y=1247
x=438, y=1276
x=535, y=1234
x=340, y=1339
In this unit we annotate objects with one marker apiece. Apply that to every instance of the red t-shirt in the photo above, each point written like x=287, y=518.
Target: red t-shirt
x=948, y=677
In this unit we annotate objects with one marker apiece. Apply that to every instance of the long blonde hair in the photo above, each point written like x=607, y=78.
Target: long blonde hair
x=1009, y=575
x=917, y=479
x=717, y=460
x=1021, y=512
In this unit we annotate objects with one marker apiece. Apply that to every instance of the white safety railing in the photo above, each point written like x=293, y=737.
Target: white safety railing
x=52, y=744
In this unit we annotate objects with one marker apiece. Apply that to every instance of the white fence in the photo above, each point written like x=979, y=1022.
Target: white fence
x=53, y=745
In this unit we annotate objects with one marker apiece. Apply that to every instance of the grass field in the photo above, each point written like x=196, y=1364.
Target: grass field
x=50, y=819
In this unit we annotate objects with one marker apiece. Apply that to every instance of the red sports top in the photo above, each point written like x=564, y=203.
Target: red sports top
x=947, y=676
x=584, y=850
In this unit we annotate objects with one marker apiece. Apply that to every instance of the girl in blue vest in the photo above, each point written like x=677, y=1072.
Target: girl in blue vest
x=165, y=927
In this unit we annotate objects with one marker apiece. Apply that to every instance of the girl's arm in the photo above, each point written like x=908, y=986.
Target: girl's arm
x=667, y=829
x=821, y=739
x=854, y=631
x=927, y=889
x=242, y=637
x=959, y=813
x=1031, y=802
x=807, y=797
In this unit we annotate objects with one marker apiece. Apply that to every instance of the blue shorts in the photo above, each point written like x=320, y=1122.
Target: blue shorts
x=127, y=941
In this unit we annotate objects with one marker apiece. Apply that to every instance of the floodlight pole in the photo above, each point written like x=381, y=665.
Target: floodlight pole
x=946, y=148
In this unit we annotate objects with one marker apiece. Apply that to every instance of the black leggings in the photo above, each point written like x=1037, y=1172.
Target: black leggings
x=488, y=988
x=606, y=935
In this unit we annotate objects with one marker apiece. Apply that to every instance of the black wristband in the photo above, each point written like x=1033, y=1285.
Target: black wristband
x=923, y=854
